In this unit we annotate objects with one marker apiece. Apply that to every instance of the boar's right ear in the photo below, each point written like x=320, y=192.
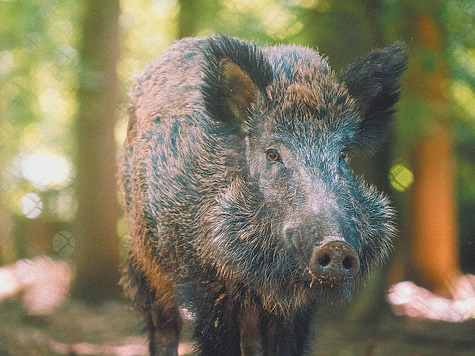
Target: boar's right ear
x=373, y=82
x=235, y=71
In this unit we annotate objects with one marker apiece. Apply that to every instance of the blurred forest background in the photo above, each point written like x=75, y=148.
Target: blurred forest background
x=65, y=67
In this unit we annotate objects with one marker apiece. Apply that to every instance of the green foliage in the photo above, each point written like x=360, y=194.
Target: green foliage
x=37, y=104
x=458, y=16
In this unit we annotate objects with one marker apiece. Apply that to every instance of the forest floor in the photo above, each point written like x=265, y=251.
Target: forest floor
x=70, y=327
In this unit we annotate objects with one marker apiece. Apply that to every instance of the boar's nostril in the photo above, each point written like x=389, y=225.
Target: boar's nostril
x=349, y=262
x=324, y=260
x=334, y=262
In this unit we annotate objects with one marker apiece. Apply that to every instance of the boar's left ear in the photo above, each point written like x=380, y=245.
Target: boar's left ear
x=374, y=84
x=235, y=71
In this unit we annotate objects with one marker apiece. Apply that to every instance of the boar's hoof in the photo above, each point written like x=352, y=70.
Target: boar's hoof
x=334, y=262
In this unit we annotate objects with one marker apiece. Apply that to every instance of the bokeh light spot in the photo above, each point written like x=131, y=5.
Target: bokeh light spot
x=400, y=177
x=64, y=244
x=31, y=205
x=46, y=171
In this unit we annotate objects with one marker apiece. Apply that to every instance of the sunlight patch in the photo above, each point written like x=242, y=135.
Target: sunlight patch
x=46, y=171
x=408, y=299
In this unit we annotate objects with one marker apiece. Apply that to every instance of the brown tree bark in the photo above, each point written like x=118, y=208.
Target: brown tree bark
x=97, y=254
x=433, y=250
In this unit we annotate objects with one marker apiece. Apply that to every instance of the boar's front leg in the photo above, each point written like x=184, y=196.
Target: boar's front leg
x=216, y=325
x=286, y=335
x=251, y=336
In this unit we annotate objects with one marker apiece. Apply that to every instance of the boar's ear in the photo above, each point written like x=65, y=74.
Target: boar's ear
x=235, y=71
x=373, y=82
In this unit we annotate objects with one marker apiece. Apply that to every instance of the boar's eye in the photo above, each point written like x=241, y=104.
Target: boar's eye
x=273, y=155
x=343, y=155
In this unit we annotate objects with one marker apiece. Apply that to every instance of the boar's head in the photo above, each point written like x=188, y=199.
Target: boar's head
x=297, y=224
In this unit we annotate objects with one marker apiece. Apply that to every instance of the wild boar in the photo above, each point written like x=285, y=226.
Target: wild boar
x=240, y=199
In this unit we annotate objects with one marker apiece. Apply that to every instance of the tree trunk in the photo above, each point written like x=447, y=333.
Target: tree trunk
x=433, y=251
x=97, y=254
x=7, y=249
x=434, y=246
x=187, y=18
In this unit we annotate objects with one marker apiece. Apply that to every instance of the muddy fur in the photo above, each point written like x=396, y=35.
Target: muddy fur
x=220, y=227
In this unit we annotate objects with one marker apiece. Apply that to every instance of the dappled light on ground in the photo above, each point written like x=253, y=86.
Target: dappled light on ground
x=408, y=299
x=134, y=347
x=41, y=283
x=37, y=317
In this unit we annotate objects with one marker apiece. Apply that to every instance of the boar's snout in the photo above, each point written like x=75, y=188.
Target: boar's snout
x=334, y=262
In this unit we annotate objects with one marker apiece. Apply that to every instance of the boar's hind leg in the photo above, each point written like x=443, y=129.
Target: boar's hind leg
x=161, y=312
x=164, y=325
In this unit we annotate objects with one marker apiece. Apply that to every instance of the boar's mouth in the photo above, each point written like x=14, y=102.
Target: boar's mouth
x=319, y=280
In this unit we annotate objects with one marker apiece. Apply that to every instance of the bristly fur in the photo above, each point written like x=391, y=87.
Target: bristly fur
x=216, y=225
x=248, y=57
x=374, y=83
